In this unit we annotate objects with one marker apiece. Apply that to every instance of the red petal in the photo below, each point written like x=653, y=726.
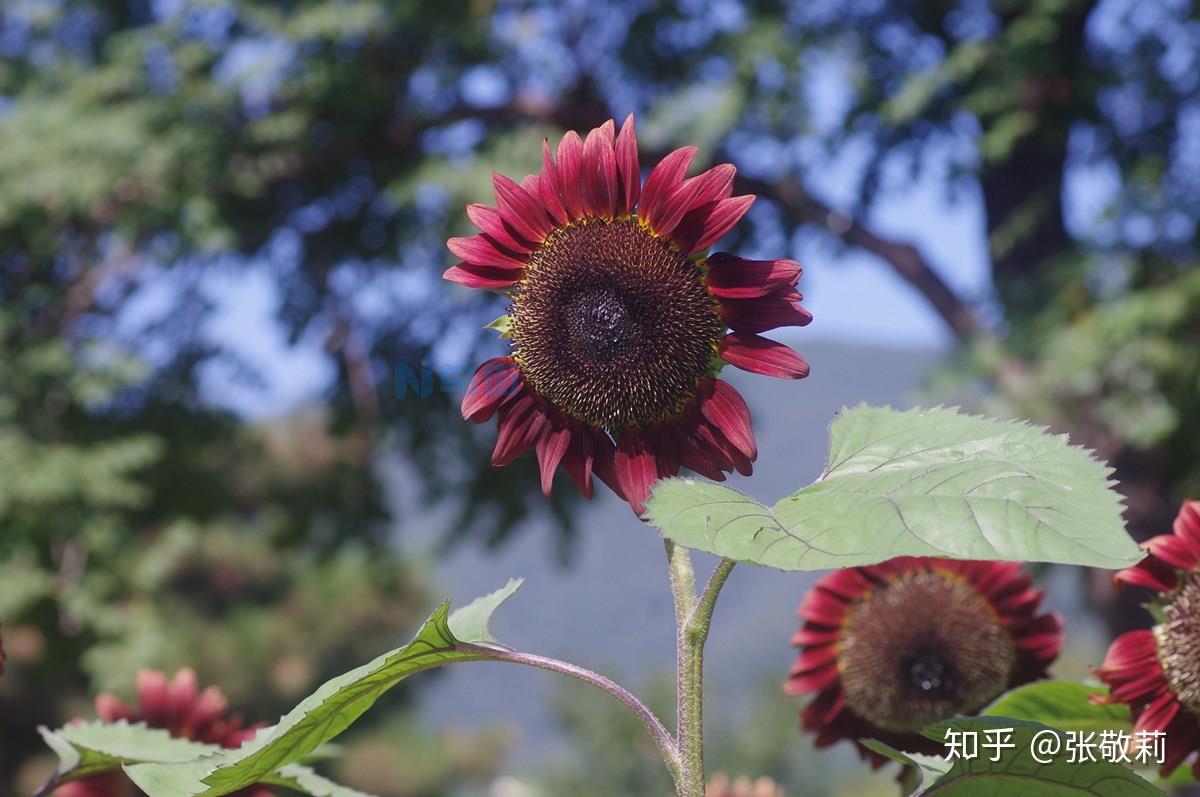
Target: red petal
x=521, y=211
x=110, y=708
x=580, y=459
x=731, y=277
x=802, y=682
x=663, y=181
x=484, y=277
x=154, y=698
x=491, y=222
x=603, y=466
x=482, y=251
x=712, y=185
x=762, y=356
x=667, y=452
x=570, y=170
x=720, y=219
x=706, y=460
x=725, y=409
x=550, y=187
x=635, y=468
x=1178, y=552
x=824, y=708
x=759, y=315
x=811, y=634
x=1187, y=522
x=517, y=429
x=628, y=175
x=551, y=449
x=600, y=171
x=1149, y=573
x=494, y=383
x=666, y=216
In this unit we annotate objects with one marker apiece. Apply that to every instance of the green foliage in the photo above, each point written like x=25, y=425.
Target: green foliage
x=1017, y=773
x=330, y=710
x=1062, y=705
x=89, y=748
x=921, y=482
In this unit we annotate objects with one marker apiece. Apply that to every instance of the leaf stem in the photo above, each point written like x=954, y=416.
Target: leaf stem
x=662, y=737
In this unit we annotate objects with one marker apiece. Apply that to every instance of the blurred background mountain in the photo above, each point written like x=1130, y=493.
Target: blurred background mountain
x=221, y=238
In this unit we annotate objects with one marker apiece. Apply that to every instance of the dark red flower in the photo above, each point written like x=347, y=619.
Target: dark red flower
x=2, y=656
x=1157, y=672
x=619, y=322
x=177, y=706
x=891, y=648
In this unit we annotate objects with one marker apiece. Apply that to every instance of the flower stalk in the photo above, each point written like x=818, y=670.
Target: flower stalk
x=693, y=617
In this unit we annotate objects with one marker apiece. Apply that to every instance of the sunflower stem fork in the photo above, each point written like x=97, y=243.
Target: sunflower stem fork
x=693, y=617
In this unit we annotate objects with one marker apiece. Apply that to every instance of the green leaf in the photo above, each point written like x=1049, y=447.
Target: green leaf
x=304, y=780
x=926, y=769
x=471, y=621
x=89, y=748
x=330, y=710
x=502, y=326
x=1019, y=772
x=922, y=483
x=1062, y=705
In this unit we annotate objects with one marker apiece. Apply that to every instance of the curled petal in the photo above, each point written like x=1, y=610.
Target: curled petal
x=580, y=460
x=731, y=277
x=762, y=356
x=495, y=382
x=551, y=448
x=635, y=468
x=725, y=409
x=518, y=428
x=759, y=315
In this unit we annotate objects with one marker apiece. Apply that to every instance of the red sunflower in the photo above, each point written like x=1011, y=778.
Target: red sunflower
x=619, y=322
x=1157, y=672
x=891, y=648
x=177, y=706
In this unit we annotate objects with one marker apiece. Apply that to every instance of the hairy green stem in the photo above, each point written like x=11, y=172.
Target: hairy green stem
x=693, y=616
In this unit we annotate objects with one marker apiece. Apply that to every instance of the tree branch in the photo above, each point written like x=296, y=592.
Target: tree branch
x=903, y=258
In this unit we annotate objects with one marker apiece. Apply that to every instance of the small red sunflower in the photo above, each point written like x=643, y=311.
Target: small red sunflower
x=1157, y=672
x=178, y=707
x=891, y=648
x=619, y=322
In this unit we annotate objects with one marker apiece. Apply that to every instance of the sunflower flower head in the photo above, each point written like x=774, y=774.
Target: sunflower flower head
x=620, y=321
x=1156, y=672
x=882, y=663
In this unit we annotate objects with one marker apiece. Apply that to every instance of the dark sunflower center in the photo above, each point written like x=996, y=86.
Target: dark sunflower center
x=598, y=324
x=928, y=671
x=1179, y=643
x=613, y=325
x=921, y=648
